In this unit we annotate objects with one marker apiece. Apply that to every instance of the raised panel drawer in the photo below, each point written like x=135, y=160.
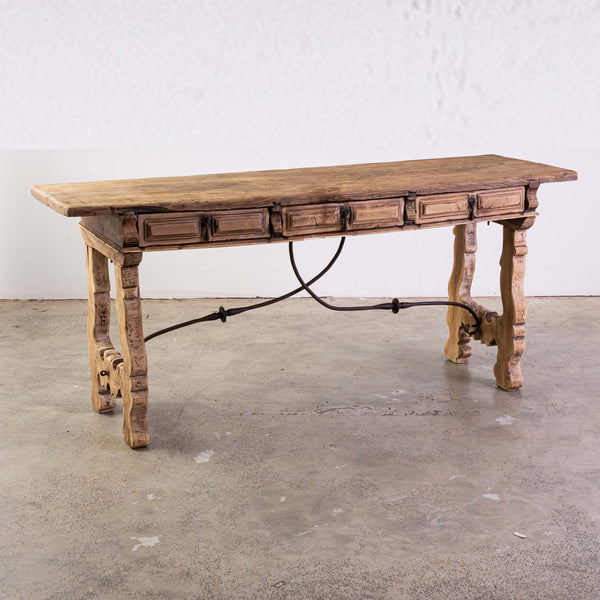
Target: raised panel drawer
x=317, y=218
x=239, y=224
x=377, y=213
x=174, y=228
x=192, y=228
x=500, y=202
x=442, y=207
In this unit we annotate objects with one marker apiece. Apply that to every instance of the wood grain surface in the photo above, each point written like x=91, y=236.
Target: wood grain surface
x=296, y=186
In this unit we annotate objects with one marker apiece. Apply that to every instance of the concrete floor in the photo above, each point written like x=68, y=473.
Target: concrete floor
x=300, y=454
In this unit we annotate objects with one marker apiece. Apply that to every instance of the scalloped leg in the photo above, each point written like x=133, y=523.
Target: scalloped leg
x=98, y=324
x=510, y=334
x=458, y=346
x=134, y=380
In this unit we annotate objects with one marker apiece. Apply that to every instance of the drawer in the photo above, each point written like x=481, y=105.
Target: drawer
x=441, y=207
x=173, y=228
x=192, y=228
x=377, y=213
x=317, y=218
x=238, y=224
x=500, y=202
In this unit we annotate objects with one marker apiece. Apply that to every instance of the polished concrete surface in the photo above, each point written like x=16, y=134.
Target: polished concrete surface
x=304, y=455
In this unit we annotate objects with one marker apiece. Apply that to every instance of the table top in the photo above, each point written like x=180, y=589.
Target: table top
x=295, y=186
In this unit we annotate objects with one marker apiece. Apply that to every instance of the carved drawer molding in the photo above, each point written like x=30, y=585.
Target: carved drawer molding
x=237, y=224
x=192, y=228
x=353, y=216
x=441, y=207
x=500, y=202
x=196, y=227
x=374, y=214
x=172, y=228
x=310, y=219
x=463, y=205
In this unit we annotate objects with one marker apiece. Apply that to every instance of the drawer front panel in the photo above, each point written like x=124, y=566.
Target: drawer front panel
x=441, y=207
x=174, y=228
x=500, y=202
x=377, y=213
x=239, y=224
x=299, y=220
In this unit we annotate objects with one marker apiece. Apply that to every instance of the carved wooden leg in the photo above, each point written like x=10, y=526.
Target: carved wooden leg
x=510, y=330
x=98, y=326
x=134, y=380
x=458, y=347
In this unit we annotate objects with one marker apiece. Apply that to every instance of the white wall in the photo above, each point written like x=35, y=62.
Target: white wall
x=172, y=88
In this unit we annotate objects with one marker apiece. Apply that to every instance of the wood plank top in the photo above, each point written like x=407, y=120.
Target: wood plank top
x=295, y=186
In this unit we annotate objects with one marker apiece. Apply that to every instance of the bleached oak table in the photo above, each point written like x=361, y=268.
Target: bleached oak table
x=120, y=220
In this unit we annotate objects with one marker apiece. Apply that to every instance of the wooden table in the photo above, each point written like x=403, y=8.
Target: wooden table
x=120, y=220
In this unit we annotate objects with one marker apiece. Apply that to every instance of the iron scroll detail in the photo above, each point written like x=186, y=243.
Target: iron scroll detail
x=395, y=305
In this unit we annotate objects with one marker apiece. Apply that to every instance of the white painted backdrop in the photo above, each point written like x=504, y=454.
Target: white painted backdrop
x=164, y=87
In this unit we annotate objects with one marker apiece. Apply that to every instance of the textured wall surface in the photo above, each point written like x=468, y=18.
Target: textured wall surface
x=280, y=76
x=229, y=85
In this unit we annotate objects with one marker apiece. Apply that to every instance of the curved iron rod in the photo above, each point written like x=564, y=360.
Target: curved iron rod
x=395, y=305
x=222, y=314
